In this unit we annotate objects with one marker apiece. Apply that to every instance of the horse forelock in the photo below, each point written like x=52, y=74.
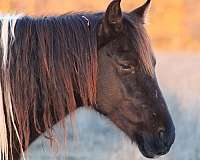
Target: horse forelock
x=142, y=45
x=45, y=61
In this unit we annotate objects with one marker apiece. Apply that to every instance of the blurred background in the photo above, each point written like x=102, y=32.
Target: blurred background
x=174, y=24
x=174, y=27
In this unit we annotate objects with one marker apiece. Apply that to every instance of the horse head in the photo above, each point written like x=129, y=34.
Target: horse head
x=127, y=89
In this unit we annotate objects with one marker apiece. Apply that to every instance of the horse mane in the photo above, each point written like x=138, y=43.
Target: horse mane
x=45, y=61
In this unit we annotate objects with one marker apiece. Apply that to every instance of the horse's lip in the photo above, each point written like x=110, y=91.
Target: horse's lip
x=149, y=154
x=146, y=153
x=140, y=142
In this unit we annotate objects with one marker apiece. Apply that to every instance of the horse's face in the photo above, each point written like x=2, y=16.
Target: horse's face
x=127, y=89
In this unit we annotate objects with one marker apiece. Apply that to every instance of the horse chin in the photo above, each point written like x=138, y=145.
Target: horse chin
x=146, y=153
x=147, y=150
x=143, y=149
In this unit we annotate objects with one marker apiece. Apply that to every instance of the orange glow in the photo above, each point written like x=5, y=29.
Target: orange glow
x=174, y=24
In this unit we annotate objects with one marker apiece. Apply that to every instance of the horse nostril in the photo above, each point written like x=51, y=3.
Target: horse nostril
x=161, y=133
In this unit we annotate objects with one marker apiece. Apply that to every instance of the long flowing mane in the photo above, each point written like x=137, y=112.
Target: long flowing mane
x=44, y=62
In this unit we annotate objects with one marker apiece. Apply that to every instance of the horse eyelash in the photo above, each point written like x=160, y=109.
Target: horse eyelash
x=126, y=66
x=128, y=69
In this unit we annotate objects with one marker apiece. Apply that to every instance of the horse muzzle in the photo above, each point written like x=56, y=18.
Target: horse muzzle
x=156, y=145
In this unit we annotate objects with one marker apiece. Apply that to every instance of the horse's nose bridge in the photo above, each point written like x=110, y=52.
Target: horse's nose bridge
x=152, y=89
x=158, y=101
x=159, y=108
x=156, y=94
x=162, y=114
x=163, y=117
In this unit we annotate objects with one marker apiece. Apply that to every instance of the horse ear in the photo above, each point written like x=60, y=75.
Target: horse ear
x=111, y=23
x=142, y=11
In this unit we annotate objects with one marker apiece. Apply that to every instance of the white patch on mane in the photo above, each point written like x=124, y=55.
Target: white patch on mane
x=8, y=23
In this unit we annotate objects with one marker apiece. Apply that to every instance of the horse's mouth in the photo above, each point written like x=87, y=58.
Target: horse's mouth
x=149, y=151
x=146, y=153
x=149, y=154
x=141, y=145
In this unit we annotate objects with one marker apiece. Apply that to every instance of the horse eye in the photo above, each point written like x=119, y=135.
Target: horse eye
x=127, y=68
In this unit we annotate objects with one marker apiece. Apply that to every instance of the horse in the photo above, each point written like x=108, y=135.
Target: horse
x=52, y=65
